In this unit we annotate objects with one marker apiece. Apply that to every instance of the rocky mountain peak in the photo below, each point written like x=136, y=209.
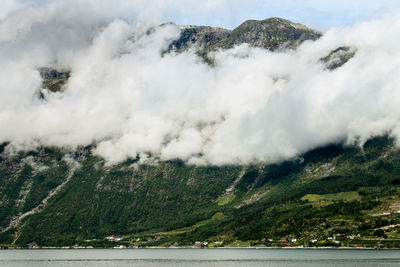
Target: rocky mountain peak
x=270, y=34
x=273, y=33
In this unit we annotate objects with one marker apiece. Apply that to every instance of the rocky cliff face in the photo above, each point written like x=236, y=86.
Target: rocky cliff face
x=200, y=36
x=271, y=34
x=53, y=80
x=338, y=57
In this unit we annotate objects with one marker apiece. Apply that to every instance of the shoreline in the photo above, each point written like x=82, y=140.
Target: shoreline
x=191, y=247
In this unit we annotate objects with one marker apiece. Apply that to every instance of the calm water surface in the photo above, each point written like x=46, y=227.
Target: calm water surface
x=199, y=257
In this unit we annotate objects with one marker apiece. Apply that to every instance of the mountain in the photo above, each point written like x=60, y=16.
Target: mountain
x=336, y=195
x=52, y=197
x=338, y=57
x=53, y=80
x=271, y=34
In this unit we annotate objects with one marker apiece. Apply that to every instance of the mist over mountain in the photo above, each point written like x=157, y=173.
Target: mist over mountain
x=204, y=95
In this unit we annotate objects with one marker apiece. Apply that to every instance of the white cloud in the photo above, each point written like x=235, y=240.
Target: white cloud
x=129, y=100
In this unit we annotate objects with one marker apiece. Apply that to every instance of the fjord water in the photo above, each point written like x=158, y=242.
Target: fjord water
x=199, y=257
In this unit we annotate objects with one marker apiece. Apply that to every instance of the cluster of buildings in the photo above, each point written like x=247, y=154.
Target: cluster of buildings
x=201, y=244
x=114, y=238
x=334, y=239
x=284, y=239
x=385, y=213
x=206, y=244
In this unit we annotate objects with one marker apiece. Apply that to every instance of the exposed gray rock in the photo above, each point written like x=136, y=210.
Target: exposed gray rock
x=271, y=34
x=338, y=57
x=53, y=80
x=49, y=73
x=201, y=36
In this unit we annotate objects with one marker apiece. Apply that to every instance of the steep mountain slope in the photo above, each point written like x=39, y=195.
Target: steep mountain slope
x=58, y=197
x=73, y=197
x=95, y=200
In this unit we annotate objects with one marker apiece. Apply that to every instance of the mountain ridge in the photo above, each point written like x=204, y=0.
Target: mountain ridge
x=271, y=34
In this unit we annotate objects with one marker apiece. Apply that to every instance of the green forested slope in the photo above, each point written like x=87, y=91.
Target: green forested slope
x=63, y=198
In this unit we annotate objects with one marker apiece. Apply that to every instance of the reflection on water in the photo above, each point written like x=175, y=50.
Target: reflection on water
x=199, y=257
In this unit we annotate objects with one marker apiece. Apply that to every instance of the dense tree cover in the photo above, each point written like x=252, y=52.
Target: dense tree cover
x=138, y=200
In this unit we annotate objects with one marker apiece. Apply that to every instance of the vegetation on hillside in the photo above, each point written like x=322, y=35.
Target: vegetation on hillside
x=331, y=196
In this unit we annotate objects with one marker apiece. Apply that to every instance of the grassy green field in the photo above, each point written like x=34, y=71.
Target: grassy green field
x=342, y=196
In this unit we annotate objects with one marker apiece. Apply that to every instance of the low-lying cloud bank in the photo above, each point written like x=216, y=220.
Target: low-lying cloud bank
x=123, y=96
